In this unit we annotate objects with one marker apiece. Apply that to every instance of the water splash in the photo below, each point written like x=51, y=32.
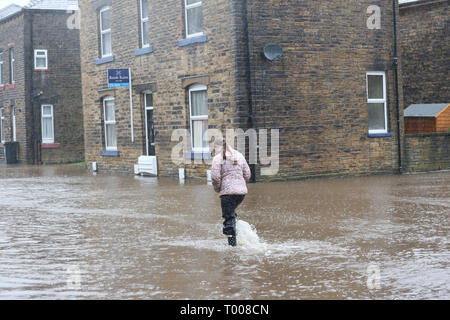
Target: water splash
x=247, y=236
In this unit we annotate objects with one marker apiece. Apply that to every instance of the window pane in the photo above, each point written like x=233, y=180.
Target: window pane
x=106, y=41
x=375, y=87
x=376, y=116
x=194, y=20
x=105, y=20
x=41, y=62
x=189, y=2
x=47, y=128
x=111, y=141
x=11, y=57
x=205, y=134
x=199, y=103
x=149, y=100
x=144, y=8
x=46, y=110
x=109, y=110
x=200, y=133
x=145, y=36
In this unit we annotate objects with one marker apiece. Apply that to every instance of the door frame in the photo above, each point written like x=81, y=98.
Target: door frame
x=146, y=108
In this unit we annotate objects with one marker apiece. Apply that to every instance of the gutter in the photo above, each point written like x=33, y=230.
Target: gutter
x=35, y=116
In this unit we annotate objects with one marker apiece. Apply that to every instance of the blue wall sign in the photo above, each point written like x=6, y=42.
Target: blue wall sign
x=118, y=78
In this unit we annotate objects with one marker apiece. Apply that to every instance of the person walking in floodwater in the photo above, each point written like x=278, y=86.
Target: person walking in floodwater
x=230, y=173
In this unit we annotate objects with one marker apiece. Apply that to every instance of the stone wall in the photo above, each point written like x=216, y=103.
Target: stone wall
x=425, y=46
x=316, y=92
x=13, y=33
x=427, y=152
x=165, y=71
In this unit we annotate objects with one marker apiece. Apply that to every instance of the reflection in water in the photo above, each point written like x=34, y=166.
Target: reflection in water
x=67, y=234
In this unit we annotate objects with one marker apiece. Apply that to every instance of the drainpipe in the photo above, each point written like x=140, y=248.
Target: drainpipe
x=34, y=147
x=397, y=104
x=34, y=98
x=251, y=115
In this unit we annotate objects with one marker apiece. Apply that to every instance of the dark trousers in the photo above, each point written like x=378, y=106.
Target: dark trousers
x=229, y=204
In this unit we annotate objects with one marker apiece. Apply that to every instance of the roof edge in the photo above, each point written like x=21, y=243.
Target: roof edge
x=443, y=110
x=422, y=110
x=419, y=3
x=68, y=5
x=20, y=10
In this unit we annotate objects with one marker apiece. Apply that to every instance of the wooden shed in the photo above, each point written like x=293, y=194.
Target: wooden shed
x=427, y=118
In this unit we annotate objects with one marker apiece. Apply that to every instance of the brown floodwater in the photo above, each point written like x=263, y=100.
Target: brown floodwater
x=66, y=234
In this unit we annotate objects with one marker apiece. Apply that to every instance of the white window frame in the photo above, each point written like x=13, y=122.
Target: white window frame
x=109, y=122
x=144, y=20
x=1, y=69
x=103, y=32
x=2, y=126
x=384, y=100
x=36, y=56
x=186, y=8
x=47, y=139
x=193, y=88
x=12, y=61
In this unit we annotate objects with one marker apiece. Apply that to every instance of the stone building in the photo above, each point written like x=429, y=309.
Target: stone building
x=40, y=82
x=425, y=46
x=321, y=72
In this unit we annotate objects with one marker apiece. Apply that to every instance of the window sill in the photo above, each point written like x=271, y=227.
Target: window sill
x=50, y=145
x=12, y=86
x=41, y=70
x=380, y=135
x=104, y=60
x=197, y=155
x=188, y=41
x=109, y=153
x=142, y=51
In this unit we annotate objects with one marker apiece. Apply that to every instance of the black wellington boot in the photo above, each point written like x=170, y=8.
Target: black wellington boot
x=232, y=241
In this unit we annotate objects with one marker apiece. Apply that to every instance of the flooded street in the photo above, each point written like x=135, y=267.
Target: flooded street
x=65, y=234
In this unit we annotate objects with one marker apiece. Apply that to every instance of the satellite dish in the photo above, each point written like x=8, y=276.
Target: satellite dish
x=273, y=52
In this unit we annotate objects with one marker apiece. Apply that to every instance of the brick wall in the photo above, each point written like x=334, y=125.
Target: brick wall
x=60, y=85
x=425, y=45
x=427, y=152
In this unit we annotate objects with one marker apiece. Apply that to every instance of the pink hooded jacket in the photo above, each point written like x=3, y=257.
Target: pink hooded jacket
x=230, y=177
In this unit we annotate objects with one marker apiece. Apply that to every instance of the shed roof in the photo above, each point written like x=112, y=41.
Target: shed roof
x=425, y=110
